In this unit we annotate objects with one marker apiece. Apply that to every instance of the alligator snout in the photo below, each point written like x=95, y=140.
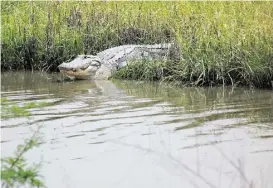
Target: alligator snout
x=82, y=67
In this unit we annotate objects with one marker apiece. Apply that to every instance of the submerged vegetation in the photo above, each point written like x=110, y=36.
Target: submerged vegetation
x=9, y=109
x=218, y=42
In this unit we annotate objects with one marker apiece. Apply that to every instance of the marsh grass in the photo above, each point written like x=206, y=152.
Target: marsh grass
x=219, y=42
x=142, y=70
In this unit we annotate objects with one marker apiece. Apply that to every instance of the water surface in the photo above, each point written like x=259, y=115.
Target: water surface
x=134, y=134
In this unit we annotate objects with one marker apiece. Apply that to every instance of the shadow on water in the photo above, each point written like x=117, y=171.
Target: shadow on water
x=136, y=134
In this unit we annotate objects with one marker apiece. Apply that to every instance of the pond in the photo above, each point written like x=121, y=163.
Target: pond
x=134, y=134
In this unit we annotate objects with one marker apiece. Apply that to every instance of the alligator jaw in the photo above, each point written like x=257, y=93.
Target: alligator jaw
x=76, y=74
x=82, y=67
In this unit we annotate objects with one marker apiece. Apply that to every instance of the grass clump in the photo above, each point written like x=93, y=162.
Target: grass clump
x=142, y=70
x=219, y=42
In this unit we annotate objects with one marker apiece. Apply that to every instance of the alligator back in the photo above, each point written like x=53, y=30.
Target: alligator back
x=117, y=57
x=128, y=52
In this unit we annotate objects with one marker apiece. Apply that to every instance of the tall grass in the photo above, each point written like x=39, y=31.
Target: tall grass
x=219, y=42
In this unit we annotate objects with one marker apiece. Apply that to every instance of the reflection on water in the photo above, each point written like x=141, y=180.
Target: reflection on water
x=134, y=134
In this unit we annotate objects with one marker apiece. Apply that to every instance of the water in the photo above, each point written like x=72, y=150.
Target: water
x=134, y=134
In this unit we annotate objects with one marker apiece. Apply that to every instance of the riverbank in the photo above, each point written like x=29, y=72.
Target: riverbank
x=219, y=42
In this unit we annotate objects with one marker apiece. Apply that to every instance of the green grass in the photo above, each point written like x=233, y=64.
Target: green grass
x=219, y=42
x=142, y=70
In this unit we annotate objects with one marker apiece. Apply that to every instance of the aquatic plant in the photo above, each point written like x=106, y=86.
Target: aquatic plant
x=11, y=109
x=15, y=170
x=219, y=42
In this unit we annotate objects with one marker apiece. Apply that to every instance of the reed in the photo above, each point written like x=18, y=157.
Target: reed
x=219, y=42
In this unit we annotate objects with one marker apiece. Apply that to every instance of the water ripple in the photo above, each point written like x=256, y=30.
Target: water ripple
x=100, y=130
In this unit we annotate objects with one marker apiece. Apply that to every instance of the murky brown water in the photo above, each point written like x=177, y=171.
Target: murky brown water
x=131, y=134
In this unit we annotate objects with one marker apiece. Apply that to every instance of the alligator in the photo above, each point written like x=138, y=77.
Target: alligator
x=105, y=63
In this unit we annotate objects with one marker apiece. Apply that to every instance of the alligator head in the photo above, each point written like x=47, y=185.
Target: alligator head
x=82, y=67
